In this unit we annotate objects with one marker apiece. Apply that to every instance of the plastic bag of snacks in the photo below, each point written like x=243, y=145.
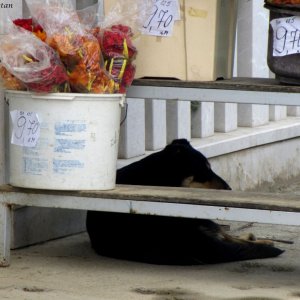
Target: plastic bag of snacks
x=116, y=32
x=79, y=51
x=119, y=53
x=26, y=58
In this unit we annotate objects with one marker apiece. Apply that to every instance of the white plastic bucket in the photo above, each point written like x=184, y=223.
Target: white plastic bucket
x=77, y=143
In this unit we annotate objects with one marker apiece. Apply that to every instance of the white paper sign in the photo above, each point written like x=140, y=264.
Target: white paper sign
x=162, y=17
x=286, y=36
x=26, y=128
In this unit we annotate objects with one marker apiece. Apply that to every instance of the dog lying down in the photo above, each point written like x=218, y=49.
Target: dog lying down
x=170, y=240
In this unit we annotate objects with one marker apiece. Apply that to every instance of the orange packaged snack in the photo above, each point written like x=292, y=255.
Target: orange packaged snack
x=10, y=82
x=82, y=58
x=79, y=51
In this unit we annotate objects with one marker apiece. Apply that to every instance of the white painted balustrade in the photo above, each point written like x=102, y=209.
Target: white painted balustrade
x=206, y=118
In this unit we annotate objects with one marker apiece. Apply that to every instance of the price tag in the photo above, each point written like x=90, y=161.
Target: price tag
x=26, y=128
x=286, y=36
x=162, y=17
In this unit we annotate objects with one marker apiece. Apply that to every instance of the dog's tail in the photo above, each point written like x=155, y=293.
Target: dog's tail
x=238, y=250
x=252, y=250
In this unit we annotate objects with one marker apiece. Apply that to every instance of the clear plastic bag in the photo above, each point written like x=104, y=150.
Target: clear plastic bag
x=55, y=15
x=117, y=32
x=32, y=61
x=79, y=50
x=131, y=13
x=89, y=16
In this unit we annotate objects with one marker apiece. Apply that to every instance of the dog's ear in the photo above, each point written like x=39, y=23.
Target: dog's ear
x=178, y=151
x=194, y=166
x=180, y=142
x=178, y=146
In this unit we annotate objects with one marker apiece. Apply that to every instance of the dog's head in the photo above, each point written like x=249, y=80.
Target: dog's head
x=178, y=164
x=193, y=166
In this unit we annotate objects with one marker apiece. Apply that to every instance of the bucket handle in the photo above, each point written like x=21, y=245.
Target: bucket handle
x=125, y=116
x=55, y=98
x=64, y=97
x=6, y=100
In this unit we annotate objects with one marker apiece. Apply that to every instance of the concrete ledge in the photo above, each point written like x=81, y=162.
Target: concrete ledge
x=246, y=137
x=240, y=139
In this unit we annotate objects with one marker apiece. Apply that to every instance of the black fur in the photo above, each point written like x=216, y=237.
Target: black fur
x=170, y=167
x=169, y=240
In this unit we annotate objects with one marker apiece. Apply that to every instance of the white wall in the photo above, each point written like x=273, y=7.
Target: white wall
x=252, y=39
x=259, y=166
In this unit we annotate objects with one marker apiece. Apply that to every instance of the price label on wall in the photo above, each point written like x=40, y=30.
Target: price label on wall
x=286, y=36
x=162, y=17
x=26, y=128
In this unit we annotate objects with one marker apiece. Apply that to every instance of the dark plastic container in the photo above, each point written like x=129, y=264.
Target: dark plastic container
x=286, y=68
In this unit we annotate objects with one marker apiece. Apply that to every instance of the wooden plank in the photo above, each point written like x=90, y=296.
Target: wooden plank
x=162, y=204
x=243, y=84
x=287, y=202
x=264, y=91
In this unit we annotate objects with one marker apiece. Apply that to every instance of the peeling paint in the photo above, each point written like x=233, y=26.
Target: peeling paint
x=199, y=13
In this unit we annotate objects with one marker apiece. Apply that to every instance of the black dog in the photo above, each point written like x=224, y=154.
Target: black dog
x=170, y=240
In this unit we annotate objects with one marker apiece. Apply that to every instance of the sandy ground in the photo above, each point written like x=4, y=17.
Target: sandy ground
x=69, y=269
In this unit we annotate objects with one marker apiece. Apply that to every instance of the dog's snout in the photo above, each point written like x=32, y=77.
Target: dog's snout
x=219, y=184
x=216, y=183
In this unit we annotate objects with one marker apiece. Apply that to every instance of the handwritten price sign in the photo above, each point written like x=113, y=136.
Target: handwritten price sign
x=26, y=128
x=286, y=36
x=161, y=18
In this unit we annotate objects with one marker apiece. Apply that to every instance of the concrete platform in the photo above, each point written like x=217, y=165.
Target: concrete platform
x=69, y=269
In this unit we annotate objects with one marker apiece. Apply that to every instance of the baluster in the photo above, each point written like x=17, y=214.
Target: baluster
x=178, y=120
x=132, y=132
x=252, y=115
x=155, y=124
x=277, y=112
x=225, y=117
x=293, y=111
x=202, y=119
